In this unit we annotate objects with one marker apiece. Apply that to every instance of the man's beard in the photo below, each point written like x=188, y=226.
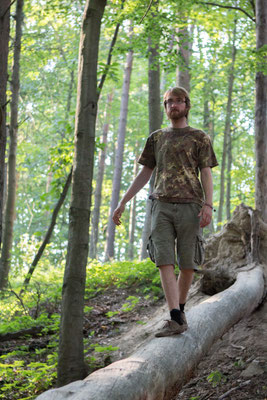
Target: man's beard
x=175, y=114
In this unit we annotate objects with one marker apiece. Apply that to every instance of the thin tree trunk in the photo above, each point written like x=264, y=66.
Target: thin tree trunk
x=208, y=117
x=184, y=49
x=70, y=92
x=13, y=131
x=228, y=183
x=4, y=39
x=227, y=127
x=109, y=251
x=48, y=233
x=67, y=183
x=71, y=365
x=132, y=221
x=155, y=121
x=208, y=124
x=260, y=113
x=99, y=183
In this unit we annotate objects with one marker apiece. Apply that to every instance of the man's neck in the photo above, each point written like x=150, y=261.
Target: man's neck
x=179, y=123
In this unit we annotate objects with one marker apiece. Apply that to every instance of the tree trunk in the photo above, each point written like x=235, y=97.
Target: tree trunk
x=227, y=127
x=155, y=121
x=184, y=50
x=158, y=369
x=99, y=182
x=48, y=233
x=109, y=251
x=228, y=183
x=4, y=39
x=13, y=131
x=260, y=113
x=71, y=365
x=208, y=115
x=132, y=221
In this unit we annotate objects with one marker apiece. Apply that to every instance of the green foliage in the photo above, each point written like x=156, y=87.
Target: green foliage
x=26, y=373
x=21, y=378
x=122, y=274
x=132, y=301
x=215, y=378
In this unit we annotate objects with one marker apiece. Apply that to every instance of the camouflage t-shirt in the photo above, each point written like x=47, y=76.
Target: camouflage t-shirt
x=178, y=155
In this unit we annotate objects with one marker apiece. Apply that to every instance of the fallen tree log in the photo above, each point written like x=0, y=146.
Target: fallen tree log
x=158, y=369
x=33, y=332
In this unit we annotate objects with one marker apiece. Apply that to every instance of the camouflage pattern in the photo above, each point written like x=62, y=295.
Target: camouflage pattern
x=178, y=155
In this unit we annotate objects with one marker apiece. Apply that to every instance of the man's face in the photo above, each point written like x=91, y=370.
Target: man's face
x=176, y=107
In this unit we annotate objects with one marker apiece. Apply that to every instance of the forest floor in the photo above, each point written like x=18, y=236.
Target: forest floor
x=122, y=320
x=236, y=364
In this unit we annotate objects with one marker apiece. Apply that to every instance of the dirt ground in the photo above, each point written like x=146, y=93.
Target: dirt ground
x=236, y=366
x=234, y=369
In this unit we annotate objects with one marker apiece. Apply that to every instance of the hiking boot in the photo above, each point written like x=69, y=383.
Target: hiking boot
x=172, y=328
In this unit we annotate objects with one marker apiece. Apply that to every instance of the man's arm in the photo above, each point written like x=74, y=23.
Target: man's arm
x=206, y=211
x=139, y=182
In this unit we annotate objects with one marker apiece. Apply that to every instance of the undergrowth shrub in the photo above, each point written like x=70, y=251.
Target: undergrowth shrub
x=29, y=369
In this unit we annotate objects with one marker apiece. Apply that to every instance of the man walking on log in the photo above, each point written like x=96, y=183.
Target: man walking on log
x=181, y=205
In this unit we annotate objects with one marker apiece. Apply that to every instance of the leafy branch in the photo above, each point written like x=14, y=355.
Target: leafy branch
x=229, y=7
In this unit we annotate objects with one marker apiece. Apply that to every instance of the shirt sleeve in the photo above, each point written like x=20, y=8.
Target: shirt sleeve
x=147, y=157
x=207, y=157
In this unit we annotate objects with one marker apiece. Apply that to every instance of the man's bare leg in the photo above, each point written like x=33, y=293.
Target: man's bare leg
x=168, y=281
x=184, y=282
x=177, y=324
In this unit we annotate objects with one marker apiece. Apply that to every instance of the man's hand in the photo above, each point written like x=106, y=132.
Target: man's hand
x=117, y=214
x=205, y=216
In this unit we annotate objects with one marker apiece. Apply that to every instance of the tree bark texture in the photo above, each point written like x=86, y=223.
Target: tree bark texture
x=71, y=364
x=9, y=216
x=158, y=369
x=155, y=121
x=132, y=221
x=109, y=251
x=260, y=113
x=99, y=182
x=208, y=114
x=227, y=128
x=228, y=181
x=4, y=39
x=184, y=50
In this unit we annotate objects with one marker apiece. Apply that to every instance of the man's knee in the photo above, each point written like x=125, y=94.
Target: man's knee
x=187, y=272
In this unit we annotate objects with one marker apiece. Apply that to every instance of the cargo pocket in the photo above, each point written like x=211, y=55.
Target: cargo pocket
x=199, y=250
x=151, y=249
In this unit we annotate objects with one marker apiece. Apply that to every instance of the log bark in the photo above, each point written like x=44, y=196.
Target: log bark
x=35, y=331
x=158, y=369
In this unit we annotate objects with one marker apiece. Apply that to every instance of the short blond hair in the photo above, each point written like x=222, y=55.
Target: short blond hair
x=178, y=91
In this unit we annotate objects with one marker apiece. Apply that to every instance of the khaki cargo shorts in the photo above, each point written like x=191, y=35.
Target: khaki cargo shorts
x=175, y=232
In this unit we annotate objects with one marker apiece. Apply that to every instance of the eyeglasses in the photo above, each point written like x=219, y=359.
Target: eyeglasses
x=170, y=102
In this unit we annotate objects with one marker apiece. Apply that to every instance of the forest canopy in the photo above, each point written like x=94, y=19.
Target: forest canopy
x=49, y=58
